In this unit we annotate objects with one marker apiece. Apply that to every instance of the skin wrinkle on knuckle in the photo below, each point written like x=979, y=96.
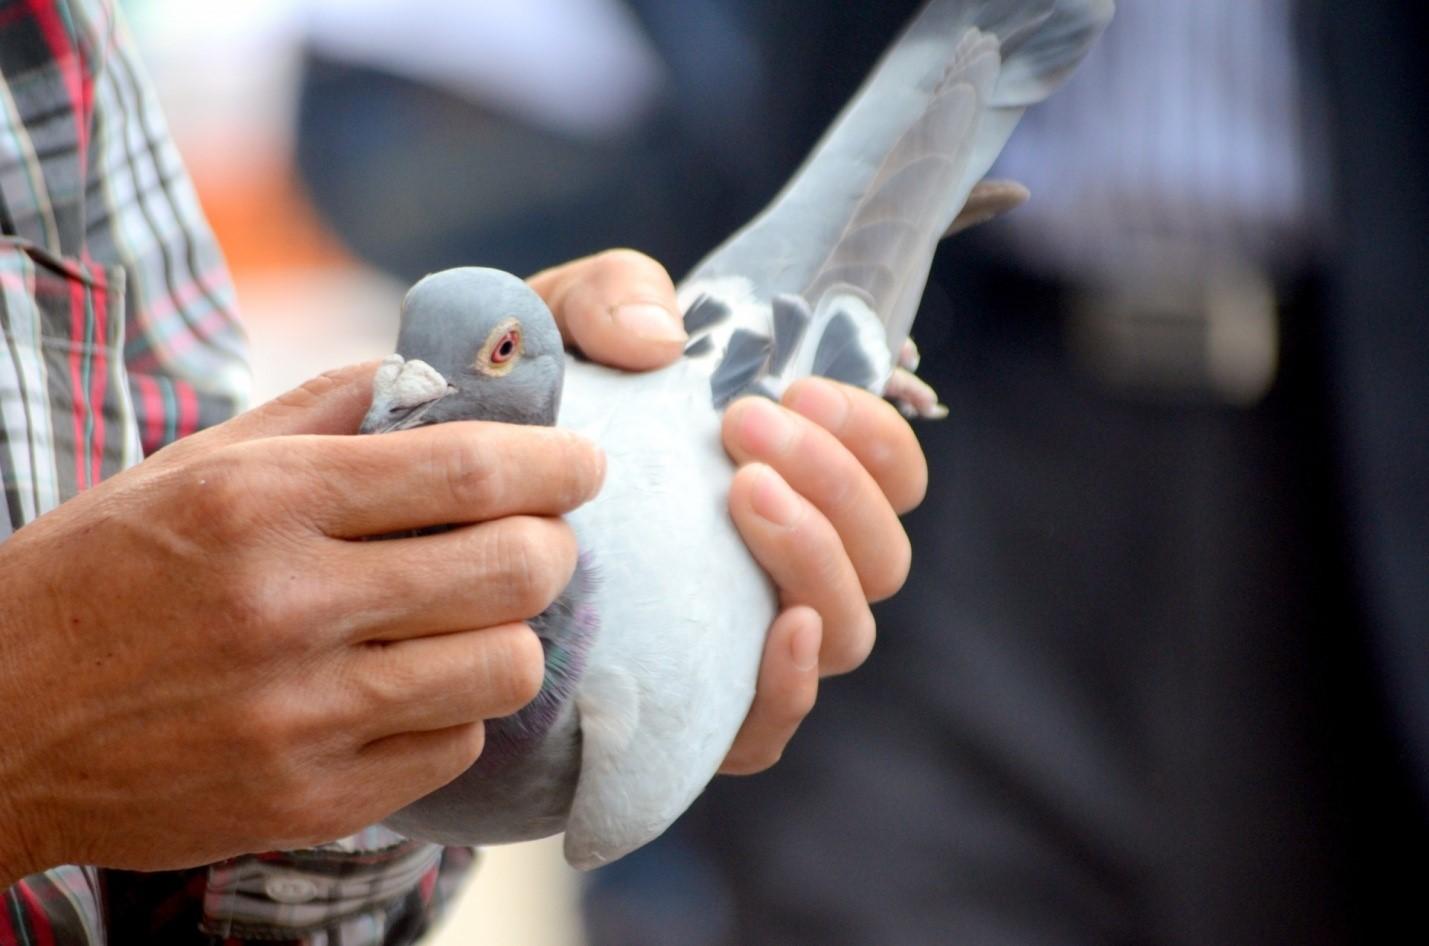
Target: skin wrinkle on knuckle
x=516, y=567
x=471, y=662
x=535, y=558
x=473, y=475
x=390, y=682
x=526, y=667
x=254, y=608
x=504, y=670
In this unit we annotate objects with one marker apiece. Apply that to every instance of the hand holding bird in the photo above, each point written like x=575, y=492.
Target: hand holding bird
x=653, y=649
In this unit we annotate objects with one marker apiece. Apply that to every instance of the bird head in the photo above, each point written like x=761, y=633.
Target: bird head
x=474, y=344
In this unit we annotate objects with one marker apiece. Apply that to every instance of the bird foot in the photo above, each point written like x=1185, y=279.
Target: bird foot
x=908, y=356
x=912, y=395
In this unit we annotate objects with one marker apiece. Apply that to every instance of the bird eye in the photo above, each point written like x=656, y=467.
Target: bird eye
x=506, y=347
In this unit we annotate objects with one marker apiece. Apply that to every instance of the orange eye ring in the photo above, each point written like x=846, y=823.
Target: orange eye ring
x=506, y=347
x=502, y=349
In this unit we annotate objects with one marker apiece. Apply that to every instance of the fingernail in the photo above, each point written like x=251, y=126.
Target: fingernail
x=821, y=403
x=774, y=501
x=649, y=321
x=804, y=648
x=764, y=428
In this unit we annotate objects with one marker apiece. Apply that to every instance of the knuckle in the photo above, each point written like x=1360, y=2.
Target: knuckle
x=220, y=490
x=265, y=615
x=265, y=730
x=517, y=670
x=385, y=684
x=537, y=557
x=473, y=476
x=252, y=608
x=268, y=739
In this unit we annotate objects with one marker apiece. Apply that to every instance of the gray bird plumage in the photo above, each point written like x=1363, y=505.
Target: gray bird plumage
x=655, y=662
x=479, y=344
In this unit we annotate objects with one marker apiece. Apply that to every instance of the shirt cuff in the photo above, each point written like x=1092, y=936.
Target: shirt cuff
x=287, y=894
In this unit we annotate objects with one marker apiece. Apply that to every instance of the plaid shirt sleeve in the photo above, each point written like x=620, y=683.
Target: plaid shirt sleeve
x=118, y=334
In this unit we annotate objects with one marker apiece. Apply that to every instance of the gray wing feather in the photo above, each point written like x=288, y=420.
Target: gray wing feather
x=792, y=316
x=744, y=361
x=841, y=355
x=703, y=313
x=908, y=132
x=700, y=346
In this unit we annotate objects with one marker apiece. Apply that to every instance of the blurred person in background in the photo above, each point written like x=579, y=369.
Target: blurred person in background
x=1161, y=674
x=196, y=661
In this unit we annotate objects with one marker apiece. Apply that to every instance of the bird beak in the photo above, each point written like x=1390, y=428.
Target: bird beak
x=403, y=392
x=392, y=413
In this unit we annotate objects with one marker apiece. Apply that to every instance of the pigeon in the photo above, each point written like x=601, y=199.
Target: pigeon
x=653, y=651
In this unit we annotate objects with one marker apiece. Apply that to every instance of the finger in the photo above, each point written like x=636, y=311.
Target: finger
x=432, y=683
x=332, y=403
x=466, y=471
x=788, y=685
x=510, y=569
x=819, y=468
x=802, y=553
x=873, y=430
x=391, y=773
x=617, y=307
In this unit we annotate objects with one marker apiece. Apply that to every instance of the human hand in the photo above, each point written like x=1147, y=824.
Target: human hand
x=197, y=660
x=821, y=483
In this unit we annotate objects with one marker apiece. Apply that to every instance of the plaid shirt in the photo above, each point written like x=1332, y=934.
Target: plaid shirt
x=119, y=335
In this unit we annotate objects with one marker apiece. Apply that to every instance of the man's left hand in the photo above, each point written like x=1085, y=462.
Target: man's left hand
x=822, y=480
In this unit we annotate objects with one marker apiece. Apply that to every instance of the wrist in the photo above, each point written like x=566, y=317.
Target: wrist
x=17, y=835
x=19, y=856
x=15, y=860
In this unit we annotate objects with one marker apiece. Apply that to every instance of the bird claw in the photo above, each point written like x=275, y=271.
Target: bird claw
x=912, y=395
x=908, y=356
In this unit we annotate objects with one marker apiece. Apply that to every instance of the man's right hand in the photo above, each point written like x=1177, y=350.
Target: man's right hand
x=198, y=659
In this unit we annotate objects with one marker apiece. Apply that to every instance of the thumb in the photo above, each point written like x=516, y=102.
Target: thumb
x=332, y=403
x=617, y=307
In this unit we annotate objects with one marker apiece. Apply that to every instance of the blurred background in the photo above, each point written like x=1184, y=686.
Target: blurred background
x=1161, y=672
